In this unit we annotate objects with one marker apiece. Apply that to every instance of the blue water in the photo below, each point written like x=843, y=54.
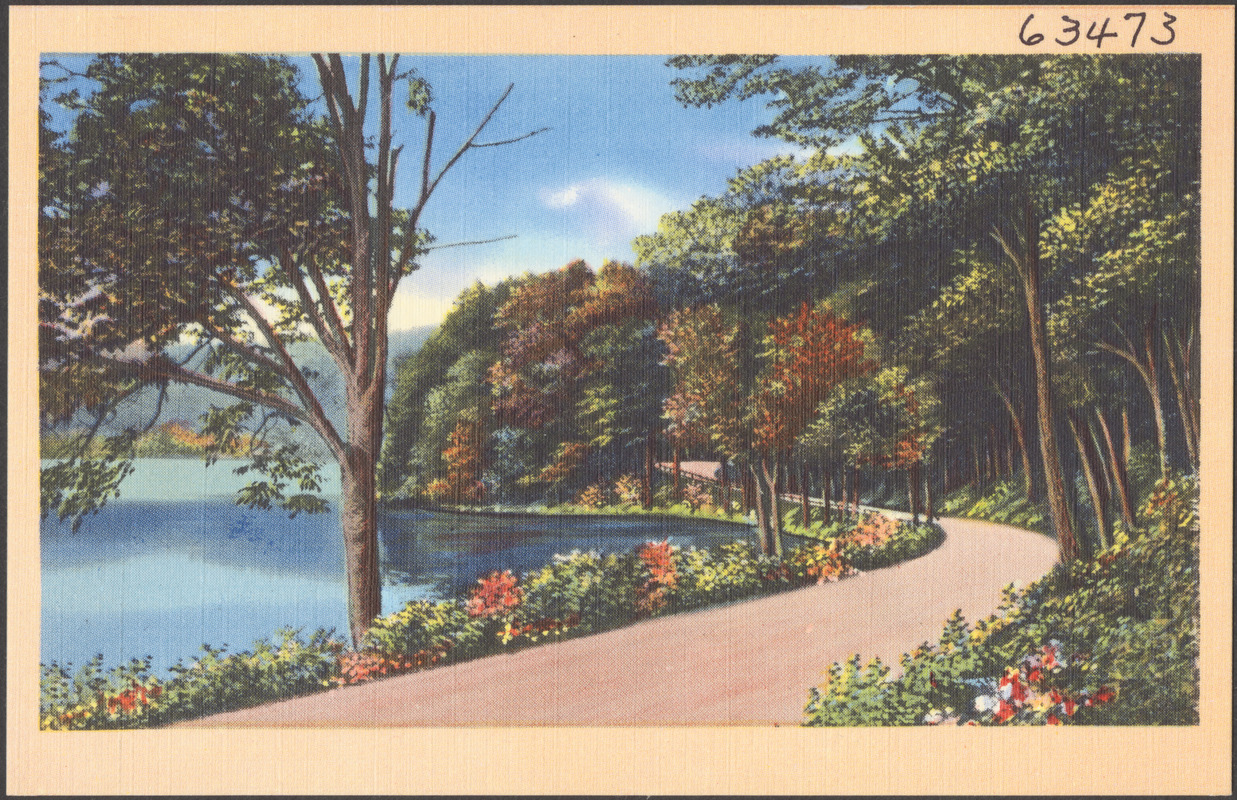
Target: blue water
x=175, y=564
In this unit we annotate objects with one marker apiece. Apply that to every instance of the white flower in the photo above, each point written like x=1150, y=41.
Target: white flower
x=986, y=702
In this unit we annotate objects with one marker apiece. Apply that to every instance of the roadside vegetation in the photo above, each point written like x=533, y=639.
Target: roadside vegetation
x=579, y=593
x=1093, y=642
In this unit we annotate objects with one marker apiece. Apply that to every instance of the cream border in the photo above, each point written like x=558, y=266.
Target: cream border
x=628, y=760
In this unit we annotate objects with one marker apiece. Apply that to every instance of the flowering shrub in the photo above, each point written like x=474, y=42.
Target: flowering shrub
x=627, y=489
x=366, y=665
x=128, y=696
x=816, y=563
x=496, y=595
x=593, y=496
x=1111, y=641
x=1031, y=693
x=655, y=592
x=697, y=497
x=872, y=531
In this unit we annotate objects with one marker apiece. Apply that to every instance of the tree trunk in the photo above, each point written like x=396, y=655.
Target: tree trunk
x=844, y=491
x=1021, y=436
x=646, y=484
x=1183, y=401
x=678, y=472
x=855, y=489
x=826, y=491
x=749, y=490
x=775, y=513
x=725, y=478
x=1028, y=268
x=1090, y=466
x=914, y=477
x=979, y=469
x=803, y=496
x=762, y=518
x=930, y=512
x=1153, y=386
x=1120, y=477
x=359, y=510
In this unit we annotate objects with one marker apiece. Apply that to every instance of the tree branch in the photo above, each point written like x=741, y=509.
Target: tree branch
x=319, y=419
x=528, y=135
x=332, y=339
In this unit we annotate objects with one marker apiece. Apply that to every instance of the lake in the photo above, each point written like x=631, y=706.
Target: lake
x=175, y=564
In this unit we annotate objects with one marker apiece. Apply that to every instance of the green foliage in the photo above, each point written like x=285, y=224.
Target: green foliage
x=422, y=625
x=130, y=697
x=1110, y=641
x=1004, y=502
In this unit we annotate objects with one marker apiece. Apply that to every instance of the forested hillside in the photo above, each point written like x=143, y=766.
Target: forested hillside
x=982, y=275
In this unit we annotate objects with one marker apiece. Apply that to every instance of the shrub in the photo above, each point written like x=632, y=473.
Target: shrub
x=817, y=563
x=726, y=572
x=130, y=697
x=627, y=488
x=496, y=595
x=575, y=594
x=1004, y=502
x=593, y=496
x=697, y=497
x=1111, y=641
x=660, y=581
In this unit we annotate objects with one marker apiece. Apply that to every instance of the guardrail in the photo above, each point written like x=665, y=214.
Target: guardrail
x=814, y=502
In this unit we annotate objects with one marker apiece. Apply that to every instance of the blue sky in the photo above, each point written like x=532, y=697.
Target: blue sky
x=620, y=152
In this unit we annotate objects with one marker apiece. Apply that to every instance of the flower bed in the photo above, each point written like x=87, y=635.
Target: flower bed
x=576, y=594
x=1111, y=641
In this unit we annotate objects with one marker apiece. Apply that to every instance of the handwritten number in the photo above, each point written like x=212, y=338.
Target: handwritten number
x=1074, y=29
x=1168, y=25
x=1142, y=18
x=1074, y=26
x=1034, y=38
x=1103, y=34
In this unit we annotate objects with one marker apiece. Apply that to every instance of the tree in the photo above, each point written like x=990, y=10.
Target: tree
x=564, y=334
x=448, y=373
x=213, y=203
x=955, y=149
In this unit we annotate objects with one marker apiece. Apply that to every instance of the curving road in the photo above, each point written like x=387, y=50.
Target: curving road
x=750, y=663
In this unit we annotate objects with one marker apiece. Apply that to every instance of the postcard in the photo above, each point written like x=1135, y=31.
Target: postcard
x=710, y=400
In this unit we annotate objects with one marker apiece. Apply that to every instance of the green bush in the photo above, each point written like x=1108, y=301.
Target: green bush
x=130, y=697
x=1004, y=502
x=1110, y=641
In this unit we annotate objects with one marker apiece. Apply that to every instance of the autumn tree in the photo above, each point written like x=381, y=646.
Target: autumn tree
x=208, y=199
x=556, y=392
x=962, y=151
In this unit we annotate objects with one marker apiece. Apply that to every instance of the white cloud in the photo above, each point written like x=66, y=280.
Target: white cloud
x=608, y=211
x=563, y=199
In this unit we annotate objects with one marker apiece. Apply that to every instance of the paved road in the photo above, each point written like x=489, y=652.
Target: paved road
x=750, y=663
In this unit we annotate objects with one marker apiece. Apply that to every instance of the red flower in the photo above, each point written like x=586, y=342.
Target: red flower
x=1104, y=695
x=1017, y=691
x=1035, y=676
x=1068, y=706
x=1004, y=712
x=1052, y=720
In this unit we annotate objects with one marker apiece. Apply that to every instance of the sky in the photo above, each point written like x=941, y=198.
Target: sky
x=619, y=153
